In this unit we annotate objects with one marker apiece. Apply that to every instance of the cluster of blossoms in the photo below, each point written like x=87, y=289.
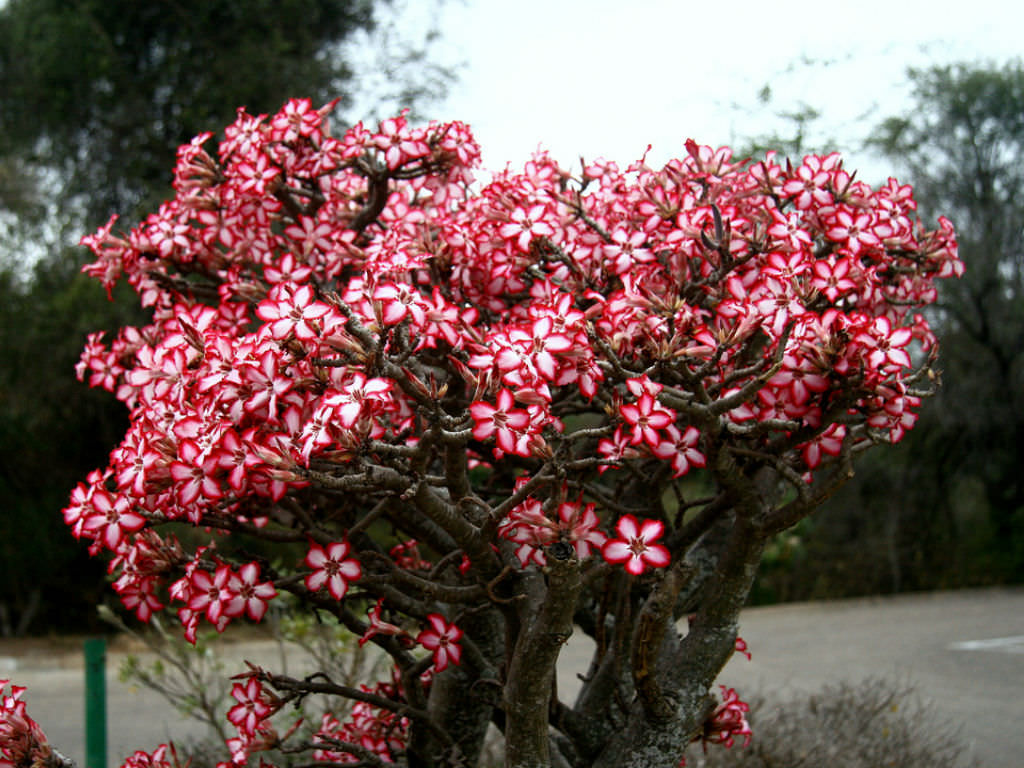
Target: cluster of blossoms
x=164, y=756
x=529, y=526
x=220, y=594
x=350, y=330
x=22, y=743
x=729, y=720
x=380, y=733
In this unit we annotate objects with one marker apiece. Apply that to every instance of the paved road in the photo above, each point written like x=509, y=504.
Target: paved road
x=962, y=651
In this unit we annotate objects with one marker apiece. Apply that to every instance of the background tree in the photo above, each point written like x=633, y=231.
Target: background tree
x=50, y=431
x=963, y=148
x=95, y=97
x=795, y=140
x=946, y=507
x=104, y=92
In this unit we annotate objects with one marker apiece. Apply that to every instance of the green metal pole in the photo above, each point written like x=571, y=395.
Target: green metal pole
x=96, y=703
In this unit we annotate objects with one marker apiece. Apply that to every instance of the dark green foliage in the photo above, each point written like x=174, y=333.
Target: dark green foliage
x=105, y=91
x=53, y=430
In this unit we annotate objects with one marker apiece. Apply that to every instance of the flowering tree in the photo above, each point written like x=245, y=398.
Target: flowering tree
x=476, y=418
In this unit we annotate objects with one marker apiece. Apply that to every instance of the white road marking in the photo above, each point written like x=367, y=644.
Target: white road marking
x=1014, y=644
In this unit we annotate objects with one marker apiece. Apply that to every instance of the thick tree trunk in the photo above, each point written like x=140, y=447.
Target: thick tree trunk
x=657, y=737
x=531, y=672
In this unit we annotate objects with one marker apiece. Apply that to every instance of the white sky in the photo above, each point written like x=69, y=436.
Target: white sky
x=608, y=77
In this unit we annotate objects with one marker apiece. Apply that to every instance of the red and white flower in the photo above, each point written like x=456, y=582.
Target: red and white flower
x=635, y=546
x=502, y=421
x=443, y=639
x=332, y=568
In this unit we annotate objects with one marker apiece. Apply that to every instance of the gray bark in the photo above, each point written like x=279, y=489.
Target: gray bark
x=531, y=672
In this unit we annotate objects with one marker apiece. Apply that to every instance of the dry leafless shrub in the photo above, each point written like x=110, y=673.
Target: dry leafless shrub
x=870, y=724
